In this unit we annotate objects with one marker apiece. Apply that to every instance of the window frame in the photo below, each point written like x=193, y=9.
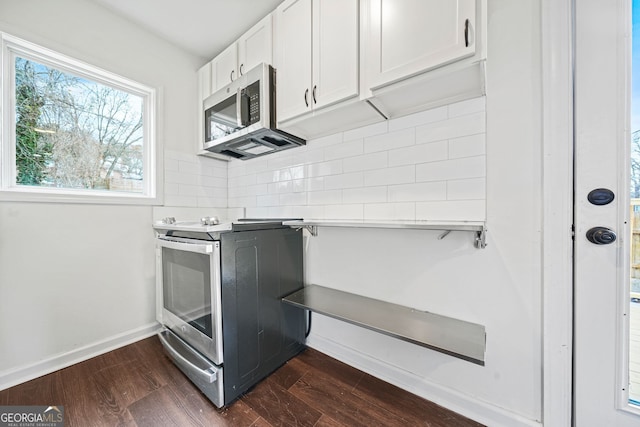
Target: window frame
x=10, y=190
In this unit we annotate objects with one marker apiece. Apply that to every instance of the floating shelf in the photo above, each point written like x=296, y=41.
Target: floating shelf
x=447, y=335
x=478, y=227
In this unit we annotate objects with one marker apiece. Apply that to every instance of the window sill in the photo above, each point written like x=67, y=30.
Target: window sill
x=77, y=196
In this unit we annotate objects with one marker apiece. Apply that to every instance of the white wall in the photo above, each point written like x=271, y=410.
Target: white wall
x=78, y=279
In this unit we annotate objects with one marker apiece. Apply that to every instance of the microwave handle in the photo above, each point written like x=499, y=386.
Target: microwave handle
x=242, y=108
x=189, y=247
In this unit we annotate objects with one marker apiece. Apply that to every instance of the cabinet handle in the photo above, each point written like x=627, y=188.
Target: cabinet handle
x=306, y=95
x=241, y=65
x=466, y=33
x=231, y=75
x=313, y=94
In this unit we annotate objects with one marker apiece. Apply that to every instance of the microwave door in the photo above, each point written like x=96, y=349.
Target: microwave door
x=222, y=119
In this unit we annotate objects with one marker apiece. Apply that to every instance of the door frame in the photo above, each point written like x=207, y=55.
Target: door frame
x=557, y=210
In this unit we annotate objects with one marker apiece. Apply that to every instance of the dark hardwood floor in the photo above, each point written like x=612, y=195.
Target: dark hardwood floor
x=137, y=385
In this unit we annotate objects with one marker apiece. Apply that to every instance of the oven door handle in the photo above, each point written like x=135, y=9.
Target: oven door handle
x=209, y=376
x=190, y=247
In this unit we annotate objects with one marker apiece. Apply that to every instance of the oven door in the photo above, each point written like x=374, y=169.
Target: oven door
x=189, y=292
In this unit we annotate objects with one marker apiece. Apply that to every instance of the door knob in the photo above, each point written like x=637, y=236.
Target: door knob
x=601, y=235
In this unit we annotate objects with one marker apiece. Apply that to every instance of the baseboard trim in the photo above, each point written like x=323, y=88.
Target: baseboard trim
x=25, y=373
x=482, y=412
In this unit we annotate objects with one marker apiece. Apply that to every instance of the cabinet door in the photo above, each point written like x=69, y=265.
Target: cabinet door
x=255, y=46
x=335, y=51
x=407, y=37
x=223, y=67
x=293, y=58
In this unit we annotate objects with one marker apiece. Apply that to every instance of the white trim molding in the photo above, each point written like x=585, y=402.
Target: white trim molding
x=557, y=206
x=26, y=373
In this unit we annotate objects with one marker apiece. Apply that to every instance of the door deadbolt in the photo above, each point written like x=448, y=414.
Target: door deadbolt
x=601, y=235
x=600, y=196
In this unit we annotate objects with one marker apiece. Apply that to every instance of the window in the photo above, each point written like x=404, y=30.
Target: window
x=72, y=131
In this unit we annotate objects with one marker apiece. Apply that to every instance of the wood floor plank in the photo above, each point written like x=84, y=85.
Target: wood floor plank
x=279, y=407
x=89, y=403
x=288, y=374
x=138, y=386
x=415, y=409
x=338, y=370
x=320, y=391
x=46, y=390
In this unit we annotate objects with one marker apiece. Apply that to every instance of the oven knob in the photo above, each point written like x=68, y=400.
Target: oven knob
x=209, y=220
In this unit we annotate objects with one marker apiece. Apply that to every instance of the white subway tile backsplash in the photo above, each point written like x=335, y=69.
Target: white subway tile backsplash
x=451, y=210
x=366, y=131
x=390, y=211
x=346, y=180
x=451, y=128
x=427, y=165
x=344, y=149
x=365, y=162
x=390, y=176
x=467, y=146
x=390, y=141
x=180, y=178
x=417, y=119
x=431, y=152
x=176, y=200
x=325, y=197
x=365, y=195
x=467, y=107
x=466, y=189
x=292, y=199
x=327, y=141
x=420, y=191
x=268, y=200
x=171, y=164
x=468, y=167
x=331, y=167
x=307, y=155
x=354, y=211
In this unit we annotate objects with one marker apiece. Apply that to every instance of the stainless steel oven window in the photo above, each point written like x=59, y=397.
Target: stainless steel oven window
x=187, y=288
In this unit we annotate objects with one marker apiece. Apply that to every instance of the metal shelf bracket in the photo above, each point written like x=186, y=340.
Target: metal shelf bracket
x=312, y=229
x=481, y=239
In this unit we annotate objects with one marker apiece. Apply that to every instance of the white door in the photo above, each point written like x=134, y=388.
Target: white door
x=601, y=281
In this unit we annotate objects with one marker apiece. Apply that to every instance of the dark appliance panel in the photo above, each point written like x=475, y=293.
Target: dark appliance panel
x=260, y=332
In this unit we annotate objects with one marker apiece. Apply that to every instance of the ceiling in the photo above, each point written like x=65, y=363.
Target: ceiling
x=201, y=27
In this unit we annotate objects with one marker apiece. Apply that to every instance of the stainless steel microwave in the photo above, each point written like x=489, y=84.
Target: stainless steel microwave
x=240, y=118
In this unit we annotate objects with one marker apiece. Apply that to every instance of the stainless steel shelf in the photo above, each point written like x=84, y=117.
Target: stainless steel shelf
x=447, y=335
x=477, y=227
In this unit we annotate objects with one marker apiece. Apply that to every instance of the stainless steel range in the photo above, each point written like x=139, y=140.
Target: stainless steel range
x=219, y=288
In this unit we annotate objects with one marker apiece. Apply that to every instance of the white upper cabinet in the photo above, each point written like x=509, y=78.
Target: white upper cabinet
x=256, y=46
x=252, y=48
x=316, y=54
x=407, y=37
x=224, y=67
